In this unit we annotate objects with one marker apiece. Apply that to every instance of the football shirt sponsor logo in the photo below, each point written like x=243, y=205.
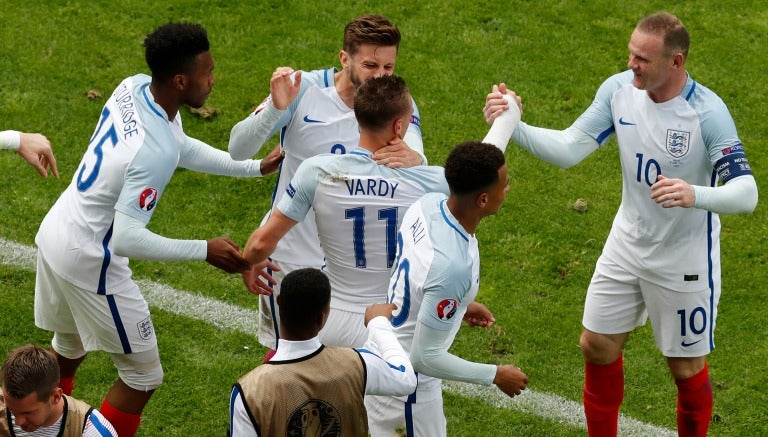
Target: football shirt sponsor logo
x=446, y=309
x=148, y=199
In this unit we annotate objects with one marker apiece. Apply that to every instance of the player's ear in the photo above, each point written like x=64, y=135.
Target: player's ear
x=179, y=81
x=344, y=58
x=482, y=200
x=397, y=127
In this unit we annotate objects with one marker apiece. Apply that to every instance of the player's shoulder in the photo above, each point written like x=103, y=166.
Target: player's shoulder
x=322, y=78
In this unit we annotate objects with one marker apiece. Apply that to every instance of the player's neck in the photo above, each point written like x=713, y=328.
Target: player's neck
x=373, y=142
x=345, y=88
x=670, y=90
x=167, y=100
x=464, y=214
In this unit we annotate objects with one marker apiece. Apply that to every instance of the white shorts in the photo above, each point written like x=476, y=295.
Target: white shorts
x=269, y=317
x=112, y=323
x=683, y=322
x=390, y=416
x=344, y=328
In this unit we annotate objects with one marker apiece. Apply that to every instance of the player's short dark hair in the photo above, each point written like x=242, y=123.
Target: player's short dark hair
x=473, y=166
x=380, y=100
x=172, y=48
x=676, y=38
x=30, y=369
x=370, y=29
x=304, y=294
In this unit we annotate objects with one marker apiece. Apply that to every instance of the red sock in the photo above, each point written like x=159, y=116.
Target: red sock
x=269, y=355
x=67, y=384
x=125, y=424
x=694, y=404
x=603, y=393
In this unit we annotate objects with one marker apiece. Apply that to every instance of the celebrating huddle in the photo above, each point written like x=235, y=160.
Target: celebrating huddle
x=367, y=263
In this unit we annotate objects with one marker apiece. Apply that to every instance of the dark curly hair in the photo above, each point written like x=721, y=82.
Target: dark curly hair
x=304, y=294
x=172, y=48
x=473, y=166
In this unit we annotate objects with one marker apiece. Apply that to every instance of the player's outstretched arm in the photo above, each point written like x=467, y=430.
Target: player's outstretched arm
x=430, y=356
x=263, y=240
x=223, y=253
x=563, y=148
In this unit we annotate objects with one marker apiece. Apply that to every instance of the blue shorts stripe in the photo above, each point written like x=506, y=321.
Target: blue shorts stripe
x=119, y=324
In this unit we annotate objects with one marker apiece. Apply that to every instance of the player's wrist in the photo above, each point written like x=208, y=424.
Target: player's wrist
x=10, y=139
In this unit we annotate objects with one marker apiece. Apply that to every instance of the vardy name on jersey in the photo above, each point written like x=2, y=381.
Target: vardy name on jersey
x=371, y=187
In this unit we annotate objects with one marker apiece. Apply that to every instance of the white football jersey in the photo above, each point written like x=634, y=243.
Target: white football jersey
x=691, y=137
x=130, y=159
x=317, y=122
x=358, y=206
x=435, y=277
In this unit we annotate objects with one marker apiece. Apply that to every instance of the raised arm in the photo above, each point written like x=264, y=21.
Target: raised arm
x=389, y=371
x=247, y=136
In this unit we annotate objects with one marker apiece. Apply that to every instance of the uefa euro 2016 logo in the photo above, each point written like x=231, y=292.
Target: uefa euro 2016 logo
x=314, y=417
x=678, y=143
x=148, y=199
x=446, y=308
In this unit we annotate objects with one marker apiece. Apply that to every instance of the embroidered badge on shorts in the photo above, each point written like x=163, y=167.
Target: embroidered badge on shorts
x=145, y=328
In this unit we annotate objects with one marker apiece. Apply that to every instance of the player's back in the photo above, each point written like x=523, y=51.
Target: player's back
x=321, y=123
x=359, y=206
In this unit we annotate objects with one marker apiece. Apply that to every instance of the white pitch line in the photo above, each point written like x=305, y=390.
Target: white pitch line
x=227, y=316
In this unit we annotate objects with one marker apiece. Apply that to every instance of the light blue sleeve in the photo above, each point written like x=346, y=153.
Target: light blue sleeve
x=147, y=176
x=597, y=120
x=413, y=136
x=249, y=135
x=430, y=356
x=446, y=284
x=301, y=190
x=717, y=127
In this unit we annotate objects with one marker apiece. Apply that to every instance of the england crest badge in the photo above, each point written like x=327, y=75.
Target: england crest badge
x=678, y=143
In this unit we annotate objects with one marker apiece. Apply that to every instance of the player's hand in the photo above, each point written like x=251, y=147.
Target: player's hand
x=379, y=309
x=258, y=280
x=397, y=154
x=36, y=150
x=478, y=315
x=495, y=103
x=282, y=89
x=271, y=162
x=225, y=254
x=673, y=192
x=510, y=379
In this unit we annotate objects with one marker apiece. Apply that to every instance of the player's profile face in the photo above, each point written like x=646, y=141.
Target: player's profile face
x=200, y=80
x=648, y=61
x=30, y=412
x=371, y=61
x=498, y=192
